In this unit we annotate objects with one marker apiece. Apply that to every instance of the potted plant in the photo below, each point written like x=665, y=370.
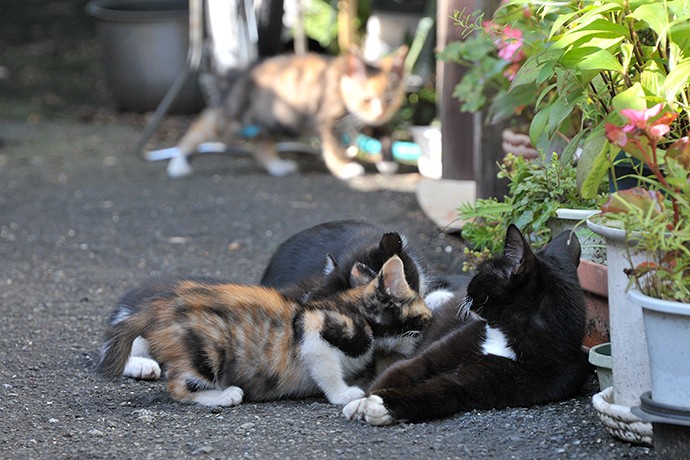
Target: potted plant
x=600, y=59
x=656, y=221
x=494, y=51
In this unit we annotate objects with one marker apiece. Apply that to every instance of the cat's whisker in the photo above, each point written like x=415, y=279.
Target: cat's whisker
x=464, y=307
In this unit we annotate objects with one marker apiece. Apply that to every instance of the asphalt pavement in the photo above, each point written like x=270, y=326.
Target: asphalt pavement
x=83, y=219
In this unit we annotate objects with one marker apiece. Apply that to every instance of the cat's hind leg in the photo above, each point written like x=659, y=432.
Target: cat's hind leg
x=205, y=128
x=140, y=365
x=192, y=388
x=265, y=154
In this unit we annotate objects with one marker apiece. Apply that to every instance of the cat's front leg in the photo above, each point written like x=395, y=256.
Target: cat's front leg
x=323, y=361
x=336, y=158
x=370, y=409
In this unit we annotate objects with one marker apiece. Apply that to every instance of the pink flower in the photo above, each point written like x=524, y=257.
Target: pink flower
x=649, y=122
x=510, y=44
x=616, y=134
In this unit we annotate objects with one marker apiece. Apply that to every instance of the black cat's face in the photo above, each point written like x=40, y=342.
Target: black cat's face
x=509, y=288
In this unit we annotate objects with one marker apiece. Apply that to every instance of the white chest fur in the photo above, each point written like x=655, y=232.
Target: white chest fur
x=496, y=343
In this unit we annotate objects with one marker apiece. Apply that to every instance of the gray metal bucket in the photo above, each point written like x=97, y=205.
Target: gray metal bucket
x=145, y=45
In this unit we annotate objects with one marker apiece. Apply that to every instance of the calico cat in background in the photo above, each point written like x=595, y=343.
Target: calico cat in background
x=223, y=343
x=291, y=95
x=514, y=340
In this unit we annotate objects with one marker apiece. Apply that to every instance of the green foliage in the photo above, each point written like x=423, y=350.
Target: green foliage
x=536, y=190
x=604, y=56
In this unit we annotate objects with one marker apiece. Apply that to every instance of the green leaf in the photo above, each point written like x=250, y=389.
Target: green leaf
x=599, y=28
x=675, y=81
x=591, y=59
x=593, y=164
x=527, y=74
x=569, y=151
x=655, y=16
x=538, y=125
x=631, y=98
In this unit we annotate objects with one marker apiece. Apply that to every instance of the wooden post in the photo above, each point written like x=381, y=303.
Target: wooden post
x=457, y=128
x=347, y=12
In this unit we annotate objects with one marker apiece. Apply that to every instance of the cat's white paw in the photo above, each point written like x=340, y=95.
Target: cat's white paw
x=344, y=397
x=387, y=167
x=178, y=166
x=281, y=168
x=231, y=396
x=349, y=171
x=370, y=410
x=142, y=368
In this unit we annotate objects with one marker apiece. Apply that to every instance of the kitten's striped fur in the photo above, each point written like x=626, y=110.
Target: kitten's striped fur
x=222, y=343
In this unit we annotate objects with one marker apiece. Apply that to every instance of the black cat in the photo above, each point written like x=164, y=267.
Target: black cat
x=514, y=340
x=318, y=261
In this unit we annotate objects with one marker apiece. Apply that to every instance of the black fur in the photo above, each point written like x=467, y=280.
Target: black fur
x=297, y=266
x=536, y=301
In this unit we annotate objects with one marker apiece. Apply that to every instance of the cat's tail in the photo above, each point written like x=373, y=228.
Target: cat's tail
x=127, y=324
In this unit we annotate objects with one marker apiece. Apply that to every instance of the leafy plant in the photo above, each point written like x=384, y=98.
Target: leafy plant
x=493, y=52
x=601, y=57
x=536, y=189
x=656, y=217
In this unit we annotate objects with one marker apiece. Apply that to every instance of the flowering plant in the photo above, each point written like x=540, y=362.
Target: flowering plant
x=494, y=51
x=600, y=58
x=656, y=216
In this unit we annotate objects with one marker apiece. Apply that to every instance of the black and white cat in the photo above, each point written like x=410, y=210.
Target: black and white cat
x=513, y=340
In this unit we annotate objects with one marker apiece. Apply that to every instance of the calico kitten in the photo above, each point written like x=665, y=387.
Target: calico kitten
x=320, y=262
x=317, y=263
x=292, y=95
x=515, y=340
x=223, y=343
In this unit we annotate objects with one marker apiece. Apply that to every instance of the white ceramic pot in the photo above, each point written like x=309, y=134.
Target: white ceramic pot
x=667, y=327
x=631, y=375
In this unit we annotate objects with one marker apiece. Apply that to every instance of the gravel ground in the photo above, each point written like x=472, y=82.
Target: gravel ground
x=82, y=219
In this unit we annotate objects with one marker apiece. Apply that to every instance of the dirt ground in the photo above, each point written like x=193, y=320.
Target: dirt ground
x=82, y=219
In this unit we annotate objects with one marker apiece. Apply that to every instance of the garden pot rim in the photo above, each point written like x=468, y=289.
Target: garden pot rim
x=655, y=412
x=597, y=358
x=658, y=305
x=122, y=11
x=576, y=213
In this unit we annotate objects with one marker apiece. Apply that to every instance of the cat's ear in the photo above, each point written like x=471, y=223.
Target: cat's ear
x=356, y=68
x=566, y=244
x=329, y=265
x=517, y=251
x=361, y=275
x=392, y=279
x=391, y=243
x=398, y=59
